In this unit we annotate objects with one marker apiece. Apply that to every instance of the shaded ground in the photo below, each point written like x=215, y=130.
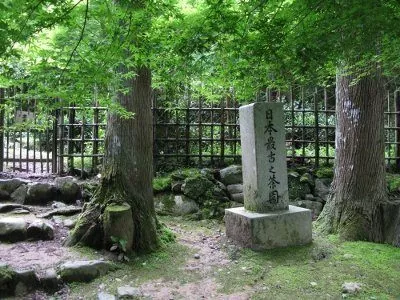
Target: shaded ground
x=202, y=264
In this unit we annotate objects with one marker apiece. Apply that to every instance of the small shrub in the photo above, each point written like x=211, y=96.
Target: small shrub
x=325, y=172
x=161, y=184
x=166, y=236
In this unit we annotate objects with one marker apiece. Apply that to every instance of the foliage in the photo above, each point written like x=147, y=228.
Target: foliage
x=166, y=236
x=324, y=172
x=161, y=184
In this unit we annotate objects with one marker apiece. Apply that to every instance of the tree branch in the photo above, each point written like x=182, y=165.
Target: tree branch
x=79, y=40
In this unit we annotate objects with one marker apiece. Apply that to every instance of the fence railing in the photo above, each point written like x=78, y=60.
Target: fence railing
x=194, y=132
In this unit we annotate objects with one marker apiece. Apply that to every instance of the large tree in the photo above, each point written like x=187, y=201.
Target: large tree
x=111, y=53
x=309, y=42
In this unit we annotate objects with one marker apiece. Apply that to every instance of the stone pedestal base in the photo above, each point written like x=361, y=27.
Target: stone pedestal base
x=269, y=230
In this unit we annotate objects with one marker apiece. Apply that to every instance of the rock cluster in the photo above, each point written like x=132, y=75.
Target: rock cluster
x=19, y=282
x=208, y=192
x=64, y=189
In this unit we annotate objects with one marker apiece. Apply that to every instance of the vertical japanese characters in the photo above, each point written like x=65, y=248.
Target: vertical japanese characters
x=269, y=131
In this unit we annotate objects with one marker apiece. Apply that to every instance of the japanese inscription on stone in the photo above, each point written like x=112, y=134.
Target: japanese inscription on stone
x=271, y=153
x=264, y=157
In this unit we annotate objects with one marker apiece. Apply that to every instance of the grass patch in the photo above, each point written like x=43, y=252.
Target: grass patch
x=316, y=271
x=165, y=264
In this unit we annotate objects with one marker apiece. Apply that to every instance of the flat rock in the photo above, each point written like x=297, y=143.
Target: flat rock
x=239, y=197
x=128, y=292
x=105, y=296
x=9, y=207
x=12, y=229
x=315, y=206
x=84, y=271
x=351, y=287
x=235, y=188
x=40, y=230
x=63, y=211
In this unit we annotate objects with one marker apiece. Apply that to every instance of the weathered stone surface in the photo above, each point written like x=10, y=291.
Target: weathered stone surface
x=178, y=205
x=26, y=281
x=197, y=186
x=128, y=292
x=184, y=206
x=7, y=281
x=8, y=186
x=40, y=230
x=265, y=180
x=105, y=296
x=239, y=197
x=9, y=207
x=12, y=229
x=49, y=280
x=58, y=204
x=118, y=222
x=269, y=230
x=322, y=188
x=68, y=189
x=314, y=206
x=20, y=194
x=235, y=188
x=70, y=223
x=84, y=271
x=63, y=211
x=351, y=287
x=231, y=175
x=40, y=193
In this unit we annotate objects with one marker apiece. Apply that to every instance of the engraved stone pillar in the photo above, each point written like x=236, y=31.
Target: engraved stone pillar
x=266, y=220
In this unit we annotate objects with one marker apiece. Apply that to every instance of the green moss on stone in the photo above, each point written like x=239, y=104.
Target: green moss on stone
x=117, y=208
x=325, y=172
x=162, y=184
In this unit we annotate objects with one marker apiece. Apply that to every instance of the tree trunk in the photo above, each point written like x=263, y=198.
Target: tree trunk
x=128, y=164
x=354, y=209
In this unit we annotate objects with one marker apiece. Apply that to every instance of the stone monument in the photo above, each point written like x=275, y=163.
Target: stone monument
x=267, y=220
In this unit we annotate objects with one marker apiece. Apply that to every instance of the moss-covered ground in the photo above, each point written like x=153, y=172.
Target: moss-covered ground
x=315, y=271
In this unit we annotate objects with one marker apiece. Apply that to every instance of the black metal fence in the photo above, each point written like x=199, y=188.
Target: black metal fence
x=191, y=132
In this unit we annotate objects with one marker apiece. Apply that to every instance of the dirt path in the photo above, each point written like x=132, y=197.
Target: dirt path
x=210, y=257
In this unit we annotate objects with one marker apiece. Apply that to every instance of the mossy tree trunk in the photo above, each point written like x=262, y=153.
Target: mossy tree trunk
x=354, y=209
x=128, y=163
x=127, y=168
